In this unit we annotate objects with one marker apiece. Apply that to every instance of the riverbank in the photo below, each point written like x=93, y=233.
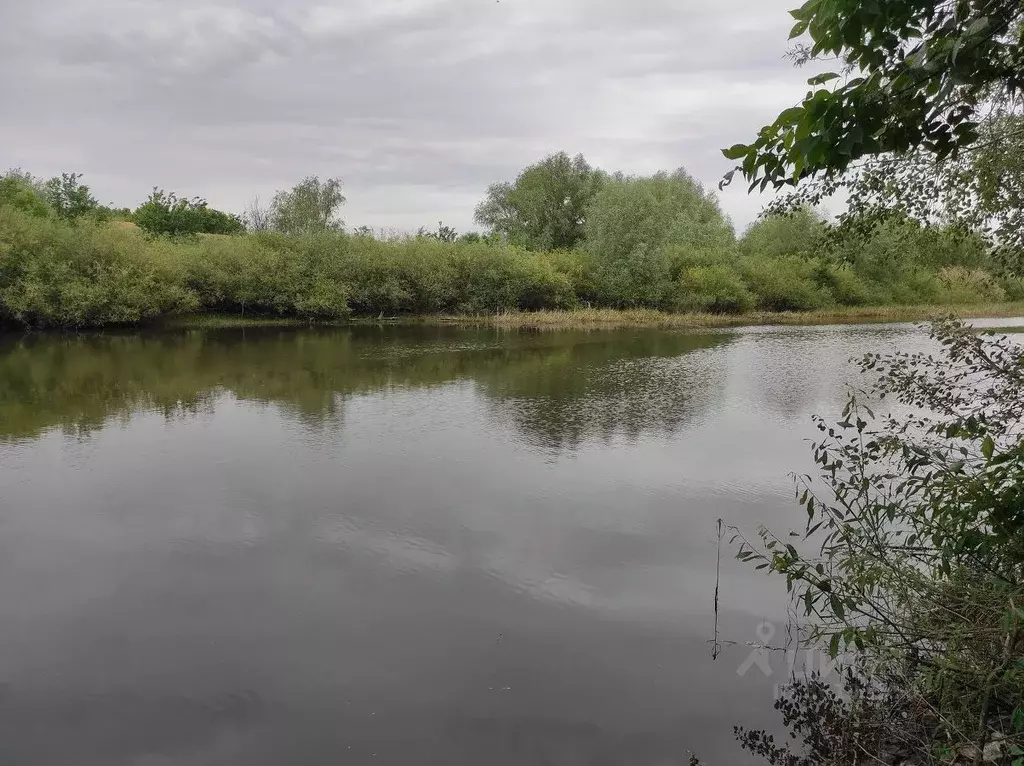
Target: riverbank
x=598, y=319
x=619, y=318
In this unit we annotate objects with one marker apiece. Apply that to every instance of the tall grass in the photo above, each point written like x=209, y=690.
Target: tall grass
x=85, y=273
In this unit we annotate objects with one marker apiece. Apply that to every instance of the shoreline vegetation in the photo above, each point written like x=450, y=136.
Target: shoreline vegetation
x=653, y=251
x=611, y=319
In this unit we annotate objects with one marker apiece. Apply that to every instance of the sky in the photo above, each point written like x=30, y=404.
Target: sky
x=418, y=105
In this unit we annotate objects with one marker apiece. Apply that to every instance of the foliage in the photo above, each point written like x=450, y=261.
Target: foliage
x=784, y=283
x=798, y=232
x=976, y=194
x=167, y=214
x=54, y=274
x=658, y=242
x=68, y=197
x=632, y=212
x=441, y=234
x=919, y=523
x=641, y=232
x=838, y=726
x=23, y=192
x=917, y=73
x=716, y=289
x=311, y=206
x=546, y=207
x=329, y=274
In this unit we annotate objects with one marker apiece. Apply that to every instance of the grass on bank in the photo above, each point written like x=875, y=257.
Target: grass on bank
x=591, y=318
x=614, y=318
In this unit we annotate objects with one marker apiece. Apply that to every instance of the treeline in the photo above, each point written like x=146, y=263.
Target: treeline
x=562, y=235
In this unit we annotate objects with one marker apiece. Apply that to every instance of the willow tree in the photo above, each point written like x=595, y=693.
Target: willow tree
x=310, y=206
x=545, y=207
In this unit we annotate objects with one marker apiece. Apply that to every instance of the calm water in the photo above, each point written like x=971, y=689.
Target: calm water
x=395, y=546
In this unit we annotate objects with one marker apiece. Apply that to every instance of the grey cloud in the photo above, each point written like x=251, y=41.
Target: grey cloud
x=417, y=104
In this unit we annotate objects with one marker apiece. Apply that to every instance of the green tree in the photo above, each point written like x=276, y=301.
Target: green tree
x=923, y=120
x=167, y=214
x=641, y=232
x=23, y=192
x=654, y=211
x=798, y=233
x=546, y=207
x=311, y=206
x=917, y=74
x=69, y=197
x=442, y=233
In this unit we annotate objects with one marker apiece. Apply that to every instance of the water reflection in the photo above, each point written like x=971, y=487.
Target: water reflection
x=559, y=388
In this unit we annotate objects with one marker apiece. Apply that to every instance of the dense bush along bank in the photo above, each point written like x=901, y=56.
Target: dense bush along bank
x=88, y=273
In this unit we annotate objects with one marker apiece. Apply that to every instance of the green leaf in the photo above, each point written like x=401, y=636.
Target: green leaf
x=833, y=645
x=790, y=116
x=822, y=78
x=736, y=151
x=988, y=447
x=805, y=11
x=977, y=26
x=798, y=29
x=837, y=607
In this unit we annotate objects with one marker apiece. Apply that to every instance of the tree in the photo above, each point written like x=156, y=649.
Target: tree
x=311, y=206
x=917, y=73
x=797, y=233
x=23, y=192
x=641, y=231
x=167, y=214
x=632, y=212
x=443, y=233
x=68, y=197
x=257, y=216
x=545, y=208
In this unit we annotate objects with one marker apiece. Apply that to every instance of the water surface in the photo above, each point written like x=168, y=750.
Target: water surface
x=395, y=545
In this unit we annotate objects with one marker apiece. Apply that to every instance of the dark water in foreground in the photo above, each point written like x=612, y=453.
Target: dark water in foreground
x=395, y=546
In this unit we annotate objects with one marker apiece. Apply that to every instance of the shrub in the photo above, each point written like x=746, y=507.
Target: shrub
x=79, y=272
x=168, y=215
x=1013, y=287
x=54, y=274
x=784, y=283
x=717, y=289
x=502, y=279
x=842, y=282
x=22, y=192
x=963, y=285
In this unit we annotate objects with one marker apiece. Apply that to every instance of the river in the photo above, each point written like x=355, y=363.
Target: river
x=387, y=545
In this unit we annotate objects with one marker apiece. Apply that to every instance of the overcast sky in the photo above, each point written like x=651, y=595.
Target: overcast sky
x=417, y=104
